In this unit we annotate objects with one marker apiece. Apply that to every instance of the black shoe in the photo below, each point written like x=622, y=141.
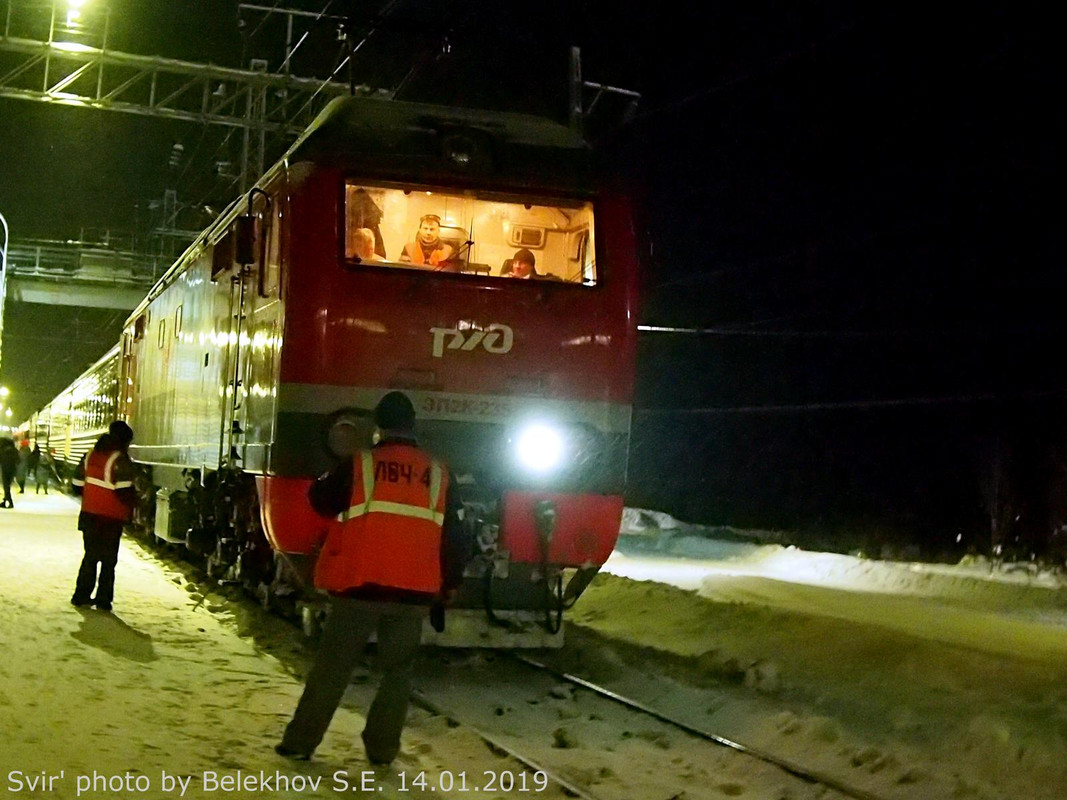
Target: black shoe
x=102, y=606
x=296, y=755
x=79, y=602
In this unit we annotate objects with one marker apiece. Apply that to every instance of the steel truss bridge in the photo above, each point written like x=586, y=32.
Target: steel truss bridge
x=84, y=274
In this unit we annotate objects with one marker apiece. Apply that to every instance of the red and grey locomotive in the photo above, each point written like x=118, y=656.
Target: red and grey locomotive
x=382, y=252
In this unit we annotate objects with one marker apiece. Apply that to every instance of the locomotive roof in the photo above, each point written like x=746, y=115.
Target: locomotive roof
x=374, y=124
x=417, y=141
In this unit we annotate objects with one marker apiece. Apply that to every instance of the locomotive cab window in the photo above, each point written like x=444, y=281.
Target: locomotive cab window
x=467, y=234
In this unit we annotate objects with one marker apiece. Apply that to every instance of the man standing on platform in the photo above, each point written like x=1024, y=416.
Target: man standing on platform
x=104, y=479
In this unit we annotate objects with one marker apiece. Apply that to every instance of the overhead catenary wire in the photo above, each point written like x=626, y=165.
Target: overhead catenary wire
x=855, y=334
x=900, y=402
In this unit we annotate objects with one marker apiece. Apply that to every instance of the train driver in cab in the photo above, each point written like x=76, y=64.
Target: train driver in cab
x=427, y=249
x=523, y=265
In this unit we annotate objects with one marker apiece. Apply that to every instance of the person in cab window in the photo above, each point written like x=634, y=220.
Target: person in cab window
x=523, y=265
x=363, y=245
x=397, y=549
x=104, y=479
x=427, y=248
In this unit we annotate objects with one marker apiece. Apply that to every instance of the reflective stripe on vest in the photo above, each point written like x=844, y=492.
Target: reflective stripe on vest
x=370, y=505
x=99, y=489
x=107, y=483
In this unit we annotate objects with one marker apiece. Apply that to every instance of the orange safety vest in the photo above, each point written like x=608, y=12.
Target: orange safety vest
x=433, y=258
x=390, y=536
x=99, y=493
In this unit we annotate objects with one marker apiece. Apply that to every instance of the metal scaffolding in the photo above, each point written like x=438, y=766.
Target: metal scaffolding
x=75, y=73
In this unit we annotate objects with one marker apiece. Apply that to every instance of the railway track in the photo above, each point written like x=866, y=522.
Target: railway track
x=796, y=770
x=498, y=745
x=575, y=788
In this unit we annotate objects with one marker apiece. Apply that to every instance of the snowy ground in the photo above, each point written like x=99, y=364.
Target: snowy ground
x=909, y=680
x=904, y=680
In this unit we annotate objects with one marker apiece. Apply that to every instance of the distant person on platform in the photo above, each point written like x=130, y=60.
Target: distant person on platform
x=35, y=459
x=43, y=470
x=9, y=464
x=104, y=479
x=397, y=549
x=427, y=247
x=23, y=469
x=523, y=265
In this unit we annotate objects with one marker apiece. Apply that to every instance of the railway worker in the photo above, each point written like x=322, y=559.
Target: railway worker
x=523, y=265
x=398, y=549
x=427, y=247
x=104, y=479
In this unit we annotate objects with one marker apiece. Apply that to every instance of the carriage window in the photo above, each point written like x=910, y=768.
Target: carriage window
x=467, y=234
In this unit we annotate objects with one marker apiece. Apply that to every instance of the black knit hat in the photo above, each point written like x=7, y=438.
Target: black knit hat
x=395, y=412
x=120, y=432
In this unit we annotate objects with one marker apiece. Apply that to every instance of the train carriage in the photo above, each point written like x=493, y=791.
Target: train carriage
x=257, y=359
x=71, y=423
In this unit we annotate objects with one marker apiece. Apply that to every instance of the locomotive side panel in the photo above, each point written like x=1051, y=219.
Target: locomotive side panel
x=262, y=337
x=178, y=347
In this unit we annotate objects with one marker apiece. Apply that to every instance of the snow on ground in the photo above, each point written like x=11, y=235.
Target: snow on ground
x=172, y=685
x=911, y=682
x=915, y=680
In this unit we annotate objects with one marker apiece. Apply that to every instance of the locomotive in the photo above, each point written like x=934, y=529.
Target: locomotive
x=377, y=254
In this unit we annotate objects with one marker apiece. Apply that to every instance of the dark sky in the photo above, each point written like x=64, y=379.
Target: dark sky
x=853, y=198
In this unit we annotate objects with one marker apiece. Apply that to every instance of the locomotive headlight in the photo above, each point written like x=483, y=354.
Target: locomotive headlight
x=539, y=447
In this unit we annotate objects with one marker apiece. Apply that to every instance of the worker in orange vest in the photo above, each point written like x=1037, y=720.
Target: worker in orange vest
x=104, y=479
x=396, y=548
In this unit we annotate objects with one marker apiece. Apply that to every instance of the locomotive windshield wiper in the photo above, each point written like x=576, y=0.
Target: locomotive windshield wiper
x=463, y=251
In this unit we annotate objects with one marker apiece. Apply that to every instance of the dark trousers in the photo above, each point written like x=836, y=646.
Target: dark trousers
x=7, y=501
x=350, y=624
x=101, y=539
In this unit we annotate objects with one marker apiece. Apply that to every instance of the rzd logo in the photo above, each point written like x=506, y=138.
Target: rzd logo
x=496, y=338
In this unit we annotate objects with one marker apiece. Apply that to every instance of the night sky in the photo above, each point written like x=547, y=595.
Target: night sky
x=851, y=203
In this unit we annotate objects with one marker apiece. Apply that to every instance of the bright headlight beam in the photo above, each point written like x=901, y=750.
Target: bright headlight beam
x=540, y=447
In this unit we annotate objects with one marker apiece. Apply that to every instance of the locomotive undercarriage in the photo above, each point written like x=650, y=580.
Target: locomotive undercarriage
x=501, y=603
x=215, y=519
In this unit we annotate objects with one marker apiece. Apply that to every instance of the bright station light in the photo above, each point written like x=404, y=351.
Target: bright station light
x=540, y=447
x=74, y=12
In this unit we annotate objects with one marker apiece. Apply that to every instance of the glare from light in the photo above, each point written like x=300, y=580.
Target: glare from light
x=74, y=12
x=4, y=391
x=7, y=412
x=73, y=47
x=540, y=448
